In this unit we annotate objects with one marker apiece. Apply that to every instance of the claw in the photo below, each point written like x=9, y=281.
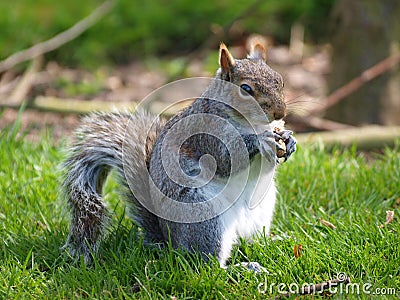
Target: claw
x=272, y=138
x=290, y=141
x=277, y=136
x=253, y=266
x=287, y=134
x=290, y=146
x=268, y=146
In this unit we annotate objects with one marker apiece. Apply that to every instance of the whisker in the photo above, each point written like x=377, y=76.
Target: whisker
x=303, y=102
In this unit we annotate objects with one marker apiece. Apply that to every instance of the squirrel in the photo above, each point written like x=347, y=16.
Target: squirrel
x=174, y=172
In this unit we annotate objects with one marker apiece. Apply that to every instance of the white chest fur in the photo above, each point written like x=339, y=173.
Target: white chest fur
x=254, y=193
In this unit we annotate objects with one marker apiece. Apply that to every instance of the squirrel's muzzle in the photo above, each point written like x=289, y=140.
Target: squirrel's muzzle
x=280, y=111
x=279, y=114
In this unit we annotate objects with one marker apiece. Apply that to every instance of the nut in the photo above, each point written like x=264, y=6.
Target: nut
x=280, y=152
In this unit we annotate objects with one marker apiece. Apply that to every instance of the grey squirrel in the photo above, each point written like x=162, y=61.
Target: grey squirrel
x=174, y=173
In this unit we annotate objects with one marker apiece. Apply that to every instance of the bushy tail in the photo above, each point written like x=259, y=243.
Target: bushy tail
x=98, y=148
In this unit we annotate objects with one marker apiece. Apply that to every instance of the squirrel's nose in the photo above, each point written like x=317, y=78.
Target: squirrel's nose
x=279, y=115
x=280, y=112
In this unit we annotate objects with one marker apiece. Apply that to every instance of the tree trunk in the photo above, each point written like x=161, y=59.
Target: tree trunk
x=366, y=32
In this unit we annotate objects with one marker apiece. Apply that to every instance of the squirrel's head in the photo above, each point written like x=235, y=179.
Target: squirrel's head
x=254, y=79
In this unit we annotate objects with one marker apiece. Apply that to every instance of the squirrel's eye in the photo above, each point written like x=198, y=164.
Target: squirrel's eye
x=247, y=88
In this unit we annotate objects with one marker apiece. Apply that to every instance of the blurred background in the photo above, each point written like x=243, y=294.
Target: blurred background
x=339, y=58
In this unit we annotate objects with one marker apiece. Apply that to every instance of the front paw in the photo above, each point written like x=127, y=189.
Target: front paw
x=253, y=266
x=289, y=141
x=268, y=146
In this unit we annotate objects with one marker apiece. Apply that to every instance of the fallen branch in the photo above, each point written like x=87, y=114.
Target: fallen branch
x=366, y=138
x=324, y=124
x=58, y=40
x=42, y=77
x=25, y=84
x=77, y=106
x=69, y=106
x=6, y=78
x=356, y=83
x=9, y=85
x=317, y=123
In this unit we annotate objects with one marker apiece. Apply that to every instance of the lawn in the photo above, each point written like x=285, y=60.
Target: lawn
x=351, y=190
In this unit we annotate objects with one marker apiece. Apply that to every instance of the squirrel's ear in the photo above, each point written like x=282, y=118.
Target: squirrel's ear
x=258, y=52
x=226, y=60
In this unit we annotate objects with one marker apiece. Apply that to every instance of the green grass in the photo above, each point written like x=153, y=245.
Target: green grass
x=342, y=187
